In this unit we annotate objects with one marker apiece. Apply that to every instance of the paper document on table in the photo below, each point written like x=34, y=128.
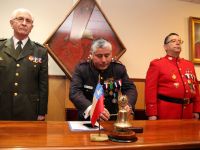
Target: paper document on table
x=83, y=126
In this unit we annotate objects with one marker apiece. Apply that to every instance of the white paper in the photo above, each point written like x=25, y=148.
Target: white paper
x=78, y=126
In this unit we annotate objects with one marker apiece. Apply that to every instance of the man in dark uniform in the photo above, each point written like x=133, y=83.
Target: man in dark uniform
x=171, y=89
x=23, y=72
x=111, y=74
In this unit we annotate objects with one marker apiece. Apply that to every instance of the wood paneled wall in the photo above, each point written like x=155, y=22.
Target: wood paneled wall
x=59, y=97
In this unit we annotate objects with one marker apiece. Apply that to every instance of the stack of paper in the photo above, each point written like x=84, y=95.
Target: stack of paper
x=83, y=126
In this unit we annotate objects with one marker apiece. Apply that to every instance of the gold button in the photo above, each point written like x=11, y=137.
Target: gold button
x=186, y=91
x=17, y=74
x=16, y=84
x=15, y=94
x=18, y=65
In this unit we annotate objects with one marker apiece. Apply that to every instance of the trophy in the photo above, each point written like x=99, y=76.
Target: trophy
x=122, y=127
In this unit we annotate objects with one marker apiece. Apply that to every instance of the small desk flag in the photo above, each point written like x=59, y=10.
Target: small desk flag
x=97, y=104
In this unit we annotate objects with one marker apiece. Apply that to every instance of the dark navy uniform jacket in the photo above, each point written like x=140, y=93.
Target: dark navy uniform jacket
x=85, y=79
x=23, y=81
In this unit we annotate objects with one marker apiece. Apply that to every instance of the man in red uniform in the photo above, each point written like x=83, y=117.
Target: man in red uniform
x=171, y=88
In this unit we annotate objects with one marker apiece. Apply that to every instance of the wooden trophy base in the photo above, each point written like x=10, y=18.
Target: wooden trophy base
x=125, y=136
x=98, y=137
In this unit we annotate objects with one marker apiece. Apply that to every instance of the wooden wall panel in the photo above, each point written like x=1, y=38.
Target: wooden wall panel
x=59, y=97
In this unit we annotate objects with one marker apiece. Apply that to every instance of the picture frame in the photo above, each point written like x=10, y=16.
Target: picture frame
x=71, y=41
x=194, y=39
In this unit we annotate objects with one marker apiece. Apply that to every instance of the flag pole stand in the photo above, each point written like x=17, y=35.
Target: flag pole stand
x=99, y=137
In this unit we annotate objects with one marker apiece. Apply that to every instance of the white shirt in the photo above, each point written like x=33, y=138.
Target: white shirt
x=24, y=41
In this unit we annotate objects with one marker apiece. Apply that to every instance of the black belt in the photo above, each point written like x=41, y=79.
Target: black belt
x=184, y=101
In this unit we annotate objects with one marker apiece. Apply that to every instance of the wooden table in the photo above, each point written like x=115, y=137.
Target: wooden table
x=162, y=134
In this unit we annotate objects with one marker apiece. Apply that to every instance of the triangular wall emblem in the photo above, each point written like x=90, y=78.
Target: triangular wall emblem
x=71, y=41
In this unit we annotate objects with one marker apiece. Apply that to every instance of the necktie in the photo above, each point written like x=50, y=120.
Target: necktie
x=19, y=47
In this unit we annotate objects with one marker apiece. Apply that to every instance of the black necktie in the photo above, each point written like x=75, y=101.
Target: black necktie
x=19, y=47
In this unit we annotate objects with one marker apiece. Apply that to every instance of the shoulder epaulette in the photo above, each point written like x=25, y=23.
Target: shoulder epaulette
x=185, y=59
x=2, y=42
x=38, y=44
x=116, y=61
x=157, y=59
x=84, y=61
x=3, y=39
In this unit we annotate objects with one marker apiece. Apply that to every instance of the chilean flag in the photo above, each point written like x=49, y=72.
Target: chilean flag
x=97, y=104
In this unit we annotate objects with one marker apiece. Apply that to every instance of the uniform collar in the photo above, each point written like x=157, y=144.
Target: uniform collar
x=171, y=58
x=24, y=41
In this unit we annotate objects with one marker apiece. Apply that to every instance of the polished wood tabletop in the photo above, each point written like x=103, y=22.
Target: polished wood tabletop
x=165, y=134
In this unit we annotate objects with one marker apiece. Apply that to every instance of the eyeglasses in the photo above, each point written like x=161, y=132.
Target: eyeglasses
x=174, y=41
x=21, y=20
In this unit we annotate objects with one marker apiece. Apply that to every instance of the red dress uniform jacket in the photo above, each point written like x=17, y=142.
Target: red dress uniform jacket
x=171, y=77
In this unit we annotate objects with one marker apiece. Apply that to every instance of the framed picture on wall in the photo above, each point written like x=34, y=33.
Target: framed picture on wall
x=194, y=39
x=71, y=41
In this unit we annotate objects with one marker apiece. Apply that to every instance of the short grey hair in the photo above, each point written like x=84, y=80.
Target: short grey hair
x=100, y=43
x=16, y=11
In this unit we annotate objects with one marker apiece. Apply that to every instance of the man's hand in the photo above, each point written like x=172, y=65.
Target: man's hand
x=196, y=115
x=41, y=118
x=152, y=117
x=105, y=115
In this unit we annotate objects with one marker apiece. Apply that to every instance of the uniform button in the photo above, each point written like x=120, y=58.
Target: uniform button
x=182, y=75
x=15, y=94
x=186, y=91
x=170, y=58
x=18, y=65
x=16, y=84
x=179, y=68
x=17, y=74
x=185, y=83
x=35, y=66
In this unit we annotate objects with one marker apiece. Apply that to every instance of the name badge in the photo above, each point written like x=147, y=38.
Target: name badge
x=88, y=87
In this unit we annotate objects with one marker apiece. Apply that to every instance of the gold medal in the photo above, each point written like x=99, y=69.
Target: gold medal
x=111, y=93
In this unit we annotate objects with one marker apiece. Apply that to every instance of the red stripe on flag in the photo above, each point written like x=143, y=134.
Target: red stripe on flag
x=98, y=110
